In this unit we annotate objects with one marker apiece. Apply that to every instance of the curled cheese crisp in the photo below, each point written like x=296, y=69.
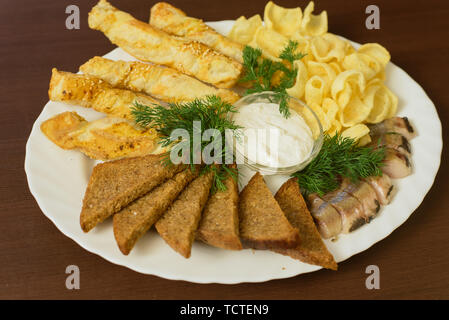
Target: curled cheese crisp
x=367, y=65
x=377, y=52
x=356, y=111
x=283, y=20
x=313, y=25
x=356, y=132
x=314, y=90
x=346, y=84
x=328, y=47
x=298, y=88
x=243, y=30
x=271, y=42
x=324, y=71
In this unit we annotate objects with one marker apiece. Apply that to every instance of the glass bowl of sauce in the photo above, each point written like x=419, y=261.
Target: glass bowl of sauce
x=269, y=142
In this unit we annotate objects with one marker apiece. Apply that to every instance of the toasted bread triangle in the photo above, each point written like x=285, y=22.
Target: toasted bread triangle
x=311, y=249
x=136, y=218
x=179, y=223
x=263, y=225
x=219, y=225
x=115, y=184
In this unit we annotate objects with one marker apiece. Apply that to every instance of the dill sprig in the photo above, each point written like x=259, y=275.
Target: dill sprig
x=339, y=157
x=196, y=117
x=259, y=72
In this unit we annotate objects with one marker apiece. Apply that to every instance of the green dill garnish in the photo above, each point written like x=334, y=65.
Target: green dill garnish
x=196, y=117
x=339, y=157
x=259, y=72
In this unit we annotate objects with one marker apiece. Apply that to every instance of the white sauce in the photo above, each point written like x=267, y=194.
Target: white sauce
x=270, y=139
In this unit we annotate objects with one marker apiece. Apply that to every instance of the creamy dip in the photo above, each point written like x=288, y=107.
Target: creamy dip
x=269, y=139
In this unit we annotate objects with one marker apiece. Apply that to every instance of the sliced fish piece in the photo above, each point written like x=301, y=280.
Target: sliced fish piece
x=327, y=219
x=395, y=124
x=396, y=164
x=383, y=187
x=350, y=208
x=367, y=196
x=392, y=140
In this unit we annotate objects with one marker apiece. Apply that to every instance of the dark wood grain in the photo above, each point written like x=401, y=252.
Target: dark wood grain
x=33, y=253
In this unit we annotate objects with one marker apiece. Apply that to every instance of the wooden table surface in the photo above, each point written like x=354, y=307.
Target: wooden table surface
x=413, y=260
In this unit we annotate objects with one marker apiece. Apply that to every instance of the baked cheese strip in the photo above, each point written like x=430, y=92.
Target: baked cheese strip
x=163, y=83
x=150, y=44
x=104, y=139
x=174, y=21
x=94, y=93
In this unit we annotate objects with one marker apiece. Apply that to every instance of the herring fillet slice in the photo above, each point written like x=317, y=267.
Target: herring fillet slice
x=263, y=225
x=150, y=44
x=219, y=225
x=94, y=93
x=179, y=223
x=137, y=218
x=115, y=184
x=174, y=21
x=311, y=248
x=161, y=82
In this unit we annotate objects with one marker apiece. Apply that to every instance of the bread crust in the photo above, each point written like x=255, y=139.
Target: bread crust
x=163, y=83
x=263, y=225
x=179, y=223
x=115, y=184
x=134, y=220
x=219, y=225
x=174, y=21
x=94, y=93
x=311, y=249
x=150, y=44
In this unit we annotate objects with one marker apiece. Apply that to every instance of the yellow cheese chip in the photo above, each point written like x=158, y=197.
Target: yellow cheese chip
x=377, y=52
x=334, y=128
x=314, y=90
x=328, y=47
x=283, y=20
x=363, y=141
x=298, y=89
x=330, y=107
x=355, y=111
x=244, y=29
x=356, y=132
x=271, y=42
x=324, y=71
x=364, y=63
x=313, y=25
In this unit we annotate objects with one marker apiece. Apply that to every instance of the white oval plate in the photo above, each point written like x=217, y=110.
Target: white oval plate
x=57, y=179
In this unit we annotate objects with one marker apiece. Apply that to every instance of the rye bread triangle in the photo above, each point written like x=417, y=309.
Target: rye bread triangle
x=179, y=223
x=311, y=249
x=134, y=220
x=263, y=225
x=219, y=225
x=115, y=184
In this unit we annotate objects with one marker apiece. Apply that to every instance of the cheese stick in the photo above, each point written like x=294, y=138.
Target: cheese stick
x=104, y=139
x=174, y=21
x=91, y=92
x=153, y=45
x=163, y=83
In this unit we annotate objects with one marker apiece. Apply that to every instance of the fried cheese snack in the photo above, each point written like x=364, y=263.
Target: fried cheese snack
x=163, y=83
x=174, y=21
x=104, y=139
x=94, y=93
x=150, y=44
